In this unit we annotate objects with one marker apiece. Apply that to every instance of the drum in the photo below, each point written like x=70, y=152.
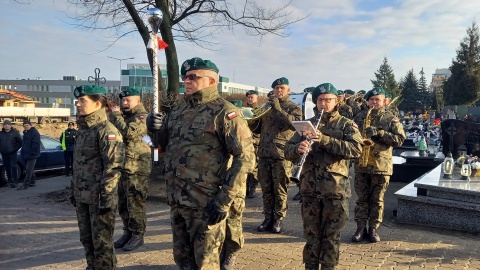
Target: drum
x=304, y=100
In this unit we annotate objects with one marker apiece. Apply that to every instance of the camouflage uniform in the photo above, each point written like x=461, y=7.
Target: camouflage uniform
x=372, y=181
x=394, y=111
x=199, y=138
x=354, y=105
x=345, y=110
x=132, y=193
x=97, y=162
x=325, y=186
x=275, y=130
x=252, y=179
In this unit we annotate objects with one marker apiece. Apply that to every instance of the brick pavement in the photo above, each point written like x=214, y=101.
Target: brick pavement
x=36, y=233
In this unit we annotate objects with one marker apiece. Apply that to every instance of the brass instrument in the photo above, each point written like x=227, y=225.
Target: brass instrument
x=296, y=175
x=252, y=114
x=363, y=161
x=393, y=101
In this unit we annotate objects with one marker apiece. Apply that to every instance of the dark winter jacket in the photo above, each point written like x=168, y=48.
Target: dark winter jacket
x=31, y=144
x=10, y=141
x=70, y=136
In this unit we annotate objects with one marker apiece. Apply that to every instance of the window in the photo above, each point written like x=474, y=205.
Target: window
x=50, y=143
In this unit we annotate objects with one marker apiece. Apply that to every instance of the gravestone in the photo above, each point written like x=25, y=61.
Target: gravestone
x=458, y=132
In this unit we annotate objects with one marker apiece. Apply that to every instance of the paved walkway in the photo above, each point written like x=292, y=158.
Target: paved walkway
x=38, y=233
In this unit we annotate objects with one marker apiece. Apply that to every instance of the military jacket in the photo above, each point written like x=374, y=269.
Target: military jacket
x=276, y=129
x=345, y=110
x=390, y=134
x=199, y=138
x=256, y=137
x=394, y=111
x=326, y=168
x=133, y=127
x=354, y=105
x=98, y=158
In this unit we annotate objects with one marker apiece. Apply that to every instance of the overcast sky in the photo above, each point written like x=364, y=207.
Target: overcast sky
x=342, y=42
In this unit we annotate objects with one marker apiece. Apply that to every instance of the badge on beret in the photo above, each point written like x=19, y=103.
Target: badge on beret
x=186, y=65
x=374, y=92
x=76, y=92
x=322, y=89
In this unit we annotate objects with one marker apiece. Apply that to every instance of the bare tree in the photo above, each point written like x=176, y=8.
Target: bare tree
x=194, y=21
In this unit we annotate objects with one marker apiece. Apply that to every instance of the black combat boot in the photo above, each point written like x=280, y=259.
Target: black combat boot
x=266, y=225
x=312, y=266
x=277, y=226
x=122, y=241
x=297, y=196
x=135, y=242
x=360, y=234
x=252, y=191
x=327, y=267
x=373, y=235
x=228, y=262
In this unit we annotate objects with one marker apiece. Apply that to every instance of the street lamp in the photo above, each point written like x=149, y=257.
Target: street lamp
x=121, y=59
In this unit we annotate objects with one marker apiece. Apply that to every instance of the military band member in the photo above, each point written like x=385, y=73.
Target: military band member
x=362, y=103
x=371, y=181
x=133, y=187
x=273, y=170
x=325, y=184
x=350, y=101
x=391, y=107
x=343, y=108
x=200, y=137
x=252, y=179
x=98, y=159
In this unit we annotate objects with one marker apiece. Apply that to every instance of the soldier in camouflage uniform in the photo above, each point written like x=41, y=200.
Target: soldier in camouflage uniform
x=325, y=184
x=275, y=130
x=392, y=109
x=252, y=179
x=98, y=159
x=343, y=108
x=132, y=191
x=350, y=101
x=200, y=136
x=371, y=182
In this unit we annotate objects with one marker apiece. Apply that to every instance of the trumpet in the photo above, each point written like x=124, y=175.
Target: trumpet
x=253, y=114
x=296, y=175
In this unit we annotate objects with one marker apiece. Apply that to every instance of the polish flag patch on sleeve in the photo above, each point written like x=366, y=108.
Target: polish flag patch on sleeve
x=231, y=115
x=112, y=137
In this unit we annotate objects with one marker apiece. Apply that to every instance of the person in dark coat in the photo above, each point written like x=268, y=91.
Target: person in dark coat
x=67, y=139
x=10, y=142
x=30, y=152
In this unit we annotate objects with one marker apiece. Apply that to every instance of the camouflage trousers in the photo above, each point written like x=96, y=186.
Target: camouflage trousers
x=323, y=220
x=234, y=240
x=252, y=178
x=274, y=175
x=96, y=236
x=196, y=245
x=132, y=202
x=370, y=189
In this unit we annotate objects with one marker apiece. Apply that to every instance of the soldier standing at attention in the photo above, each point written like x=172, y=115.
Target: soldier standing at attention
x=200, y=136
x=97, y=163
x=132, y=190
x=343, y=108
x=325, y=185
x=371, y=181
x=252, y=179
x=273, y=170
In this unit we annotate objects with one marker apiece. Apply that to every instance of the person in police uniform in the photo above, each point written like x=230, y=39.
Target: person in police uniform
x=343, y=108
x=201, y=137
x=98, y=159
x=325, y=185
x=132, y=191
x=252, y=179
x=275, y=129
x=67, y=139
x=371, y=182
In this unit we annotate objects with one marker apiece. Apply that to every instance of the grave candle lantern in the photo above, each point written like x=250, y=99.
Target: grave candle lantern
x=448, y=164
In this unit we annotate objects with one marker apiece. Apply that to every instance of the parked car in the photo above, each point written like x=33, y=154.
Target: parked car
x=51, y=158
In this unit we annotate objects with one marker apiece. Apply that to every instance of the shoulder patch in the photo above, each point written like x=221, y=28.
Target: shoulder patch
x=231, y=115
x=396, y=121
x=112, y=137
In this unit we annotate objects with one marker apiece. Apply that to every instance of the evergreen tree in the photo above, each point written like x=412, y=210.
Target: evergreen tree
x=423, y=95
x=386, y=79
x=410, y=90
x=463, y=86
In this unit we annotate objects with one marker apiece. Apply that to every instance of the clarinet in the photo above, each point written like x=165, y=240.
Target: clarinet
x=296, y=175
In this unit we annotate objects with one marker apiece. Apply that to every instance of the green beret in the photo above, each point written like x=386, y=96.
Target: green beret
x=349, y=91
x=375, y=91
x=340, y=93
x=362, y=92
x=129, y=92
x=387, y=95
x=86, y=90
x=251, y=92
x=197, y=63
x=309, y=89
x=282, y=80
x=270, y=93
x=324, y=88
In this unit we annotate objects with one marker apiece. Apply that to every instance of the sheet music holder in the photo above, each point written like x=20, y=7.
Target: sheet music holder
x=304, y=127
